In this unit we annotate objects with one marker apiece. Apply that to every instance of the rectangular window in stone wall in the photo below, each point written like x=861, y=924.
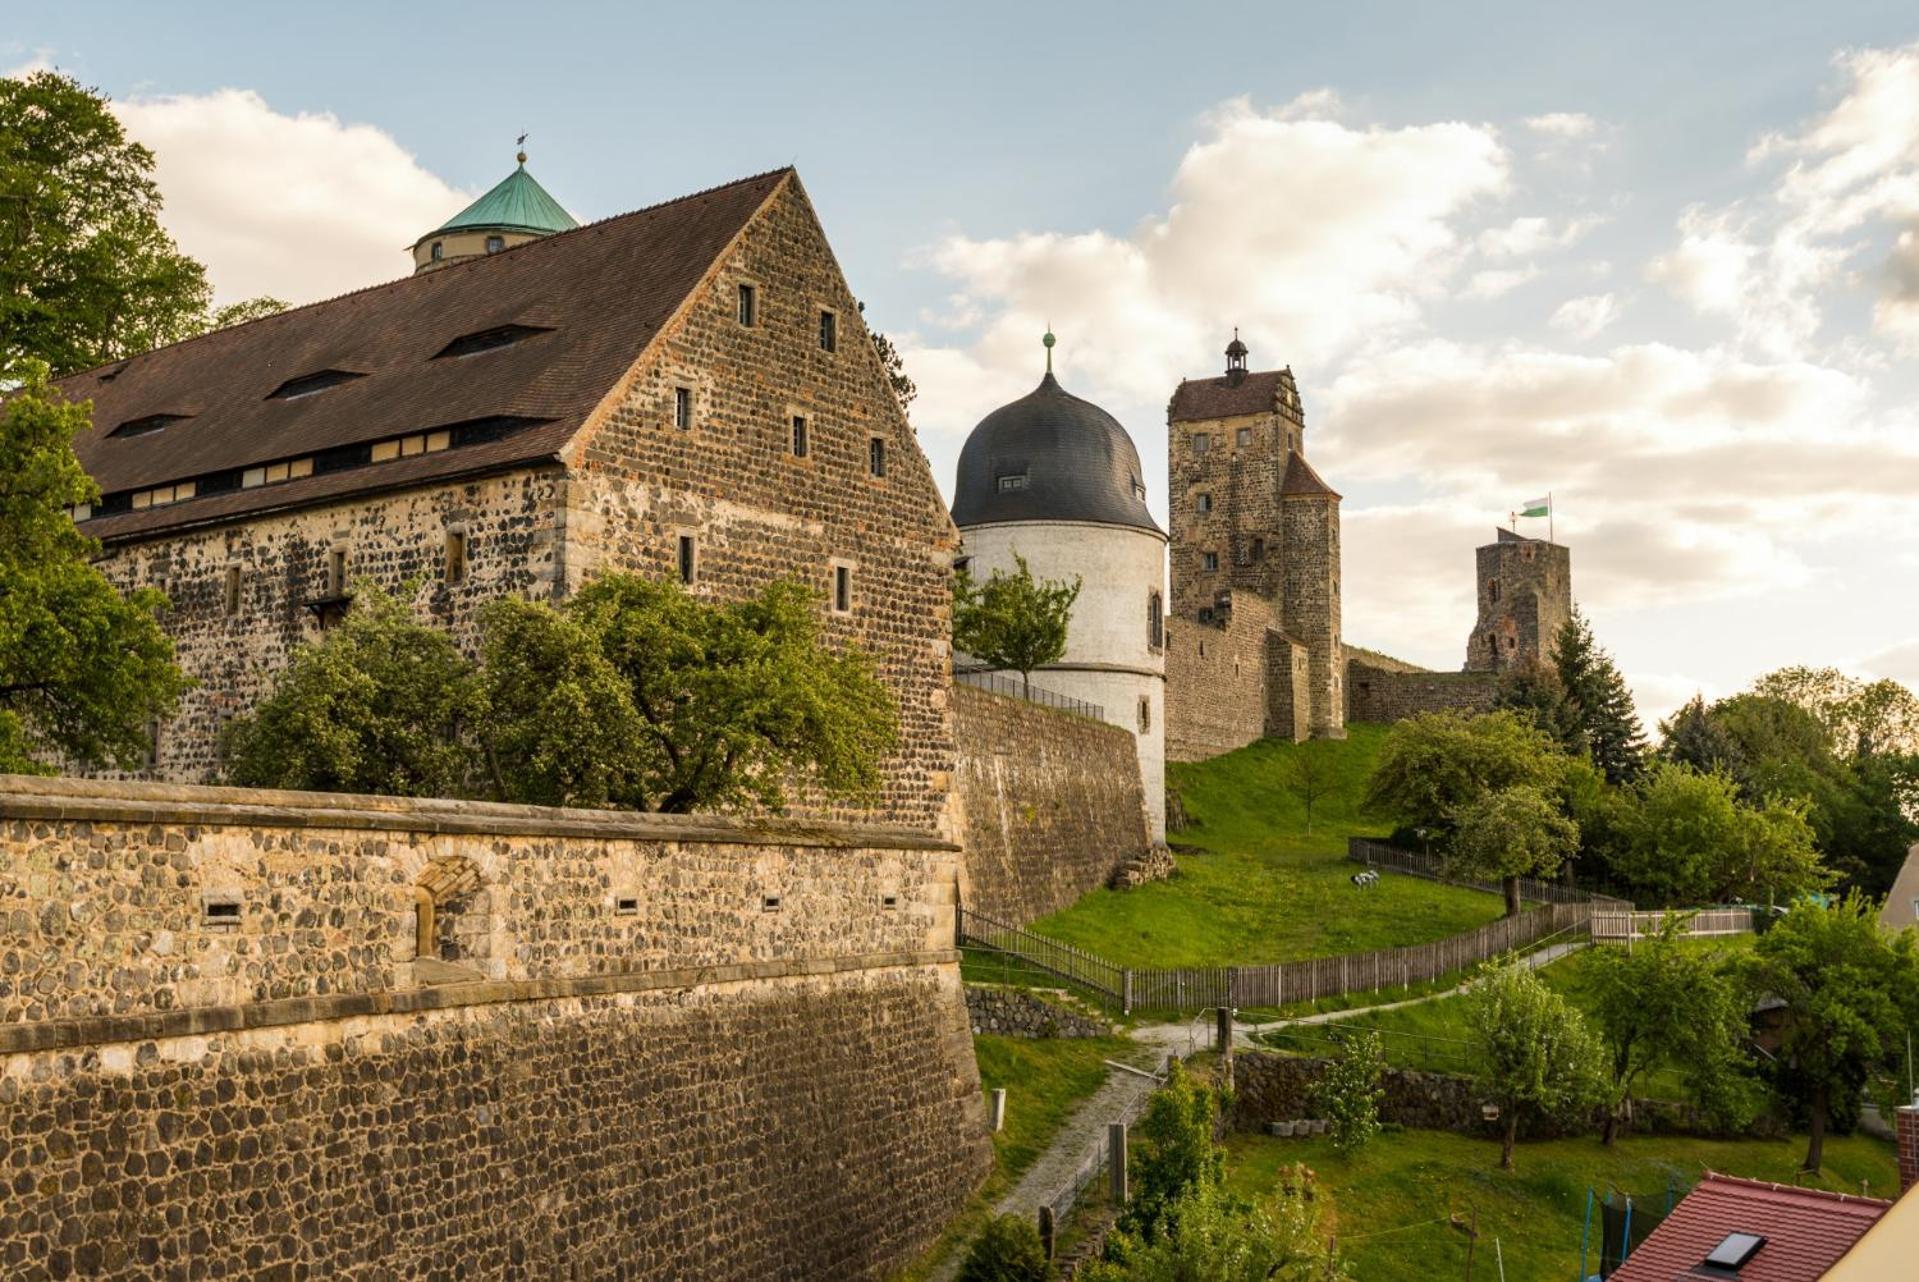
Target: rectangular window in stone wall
x=455, y=565
x=829, y=332
x=683, y=407
x=233, y=590
x=1243, y=438
x=876, y=456
x=689, y=559
x=749, y=305
x=1201, y=442
x=1209, y=561
x=800, y=443
x=842, y=589
x=1202, y=503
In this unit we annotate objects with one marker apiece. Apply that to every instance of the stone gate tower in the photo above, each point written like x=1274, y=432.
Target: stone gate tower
x=1525, y=595
x=1255, y=547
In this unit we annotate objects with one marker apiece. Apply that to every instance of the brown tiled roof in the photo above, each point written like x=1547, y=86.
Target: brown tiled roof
x=1216, y=398
x=602, y=293
x=1300, y=479
x=1806, y=1231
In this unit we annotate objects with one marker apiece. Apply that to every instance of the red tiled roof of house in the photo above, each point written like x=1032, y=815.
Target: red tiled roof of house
x=591, y=299
x=1806, y=1231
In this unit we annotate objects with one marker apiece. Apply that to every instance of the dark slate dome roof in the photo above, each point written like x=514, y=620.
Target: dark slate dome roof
x=1078, y=463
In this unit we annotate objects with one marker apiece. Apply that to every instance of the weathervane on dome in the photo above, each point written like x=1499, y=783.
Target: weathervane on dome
x=522, y=146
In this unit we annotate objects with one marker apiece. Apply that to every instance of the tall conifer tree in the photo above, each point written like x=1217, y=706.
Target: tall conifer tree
x=1600, y=700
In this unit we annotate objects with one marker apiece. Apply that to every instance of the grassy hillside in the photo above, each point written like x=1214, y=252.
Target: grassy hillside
x=1262, y=888
x=1386, y=1197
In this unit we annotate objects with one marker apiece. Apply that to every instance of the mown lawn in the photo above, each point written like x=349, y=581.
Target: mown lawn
x=1384, y=1199
x=1263, y=889
x=1432, y=1035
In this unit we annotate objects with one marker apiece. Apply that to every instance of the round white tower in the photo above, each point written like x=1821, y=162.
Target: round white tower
x=1056, y=480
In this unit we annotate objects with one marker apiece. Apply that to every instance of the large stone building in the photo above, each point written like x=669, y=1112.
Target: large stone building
x=686, y=391
x=1525, y=597
x=1254, y=646
x=1056, y=480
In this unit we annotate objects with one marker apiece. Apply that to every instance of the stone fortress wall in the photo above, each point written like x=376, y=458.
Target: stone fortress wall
x=640, y=1045
x=1052, y=805
x=1237, y=675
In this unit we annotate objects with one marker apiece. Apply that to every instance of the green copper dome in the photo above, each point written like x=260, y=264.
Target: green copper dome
x=517, y=203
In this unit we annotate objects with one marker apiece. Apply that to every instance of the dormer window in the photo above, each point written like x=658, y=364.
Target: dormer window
x=1011, y=484
x=438, y=251
x=147, y=425
x=309, y=384
x=494, y=244
x=488, y=340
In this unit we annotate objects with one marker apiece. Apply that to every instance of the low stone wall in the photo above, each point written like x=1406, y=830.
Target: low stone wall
x=1218, y=679
x=1278, y=1088
x=647, y=1047
x=1015, y=1012
x=1386, y=695
x=1052, y=803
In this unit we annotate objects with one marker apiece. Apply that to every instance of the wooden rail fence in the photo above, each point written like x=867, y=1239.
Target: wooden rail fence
x=1609, y=926
x=1277, y=983
x=1378, y=854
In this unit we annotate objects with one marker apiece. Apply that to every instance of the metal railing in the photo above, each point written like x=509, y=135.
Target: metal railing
x=1378, y=854
x=1013, y=687
x=1104, y=981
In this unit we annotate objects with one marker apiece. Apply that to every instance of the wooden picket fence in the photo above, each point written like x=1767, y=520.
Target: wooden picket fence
x=1196, y=988
x=1614, y=927
x=1378, y=854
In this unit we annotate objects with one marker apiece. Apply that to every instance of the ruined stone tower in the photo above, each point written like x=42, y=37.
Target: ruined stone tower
x=1525, y=594
x=1255, y=557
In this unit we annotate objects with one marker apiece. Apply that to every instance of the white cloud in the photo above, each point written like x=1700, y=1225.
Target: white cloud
x=1899, y=662
x=1586, y=316
x=300, y=207
x=1526, y=237
x=1569, y=125
x=1497, y=282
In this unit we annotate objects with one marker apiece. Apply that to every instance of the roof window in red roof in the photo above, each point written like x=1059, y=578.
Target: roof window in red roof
x=308, y=384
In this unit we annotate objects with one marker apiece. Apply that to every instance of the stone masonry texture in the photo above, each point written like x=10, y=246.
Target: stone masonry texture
x=1386, y=695
x=1525, y=596
x=689, y=1047
x=627, y=488
x=1052, y=804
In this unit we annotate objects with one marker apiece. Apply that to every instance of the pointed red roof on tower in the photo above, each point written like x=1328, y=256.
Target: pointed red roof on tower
x=1302, y=482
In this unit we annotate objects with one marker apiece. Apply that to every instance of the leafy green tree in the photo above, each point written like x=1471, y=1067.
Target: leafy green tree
x=1850, y=991
x=85, y=671
x=87, y=274
x=1696, y=736
x=1600, y=701
x=1013, y=621
x=1533, y=689
x=1510, y=833
x=383, y=703
x=1534, y=1056
x=1348, y=1093
x=1860, y=718
x=720, y=706
x=1173, y=1153
x=1310, y=773
x=1663, y=1005
x=247, y=309
x=1692, y=840
x=1216, y=1237
x=1437, y=763
x=1008, y=1249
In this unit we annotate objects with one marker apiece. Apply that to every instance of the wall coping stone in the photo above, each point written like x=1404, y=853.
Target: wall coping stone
x=69, y=1034
x=125, y=801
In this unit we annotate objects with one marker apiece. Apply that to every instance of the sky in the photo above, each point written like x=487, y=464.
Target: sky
x=1661, y=261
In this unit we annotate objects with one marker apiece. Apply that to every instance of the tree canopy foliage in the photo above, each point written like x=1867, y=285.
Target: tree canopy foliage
x=1216, y=1237
x=383, y=703
x=631, y=693
x=1508, y=833
x=85, y=671
x=1691, y=839
x=1435, y=764
x=1535, y=1059
x=87, y=273
x=1013, y=621
x=1849, y=990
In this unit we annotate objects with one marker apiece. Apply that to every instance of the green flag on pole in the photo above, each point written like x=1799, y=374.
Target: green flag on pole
x=1537, y=507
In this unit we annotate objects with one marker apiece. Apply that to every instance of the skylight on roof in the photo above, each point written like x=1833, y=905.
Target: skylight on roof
x=147, y=424
x=308, y=384
x=488, y=340
x=1735, y=1250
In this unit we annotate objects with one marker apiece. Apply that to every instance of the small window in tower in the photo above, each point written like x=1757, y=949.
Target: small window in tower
x=1008, y=484
x=494, y=244
x=1201, y=442
x=749, y=311
x=1139, y=490
x=1492, y=590
x=1202, y=503
x=1155, y=620
x=829, y=332
x=842, y=589
x=336, y=572
x=689, y=559
x=438, y=251
x=1145, y=714
x=1243, y=437
x=455, y=557
x=683, y=408
x=1209, y=561
x=233, y=590
x=1259, y=550
x=800, y=443
x=876, y=456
